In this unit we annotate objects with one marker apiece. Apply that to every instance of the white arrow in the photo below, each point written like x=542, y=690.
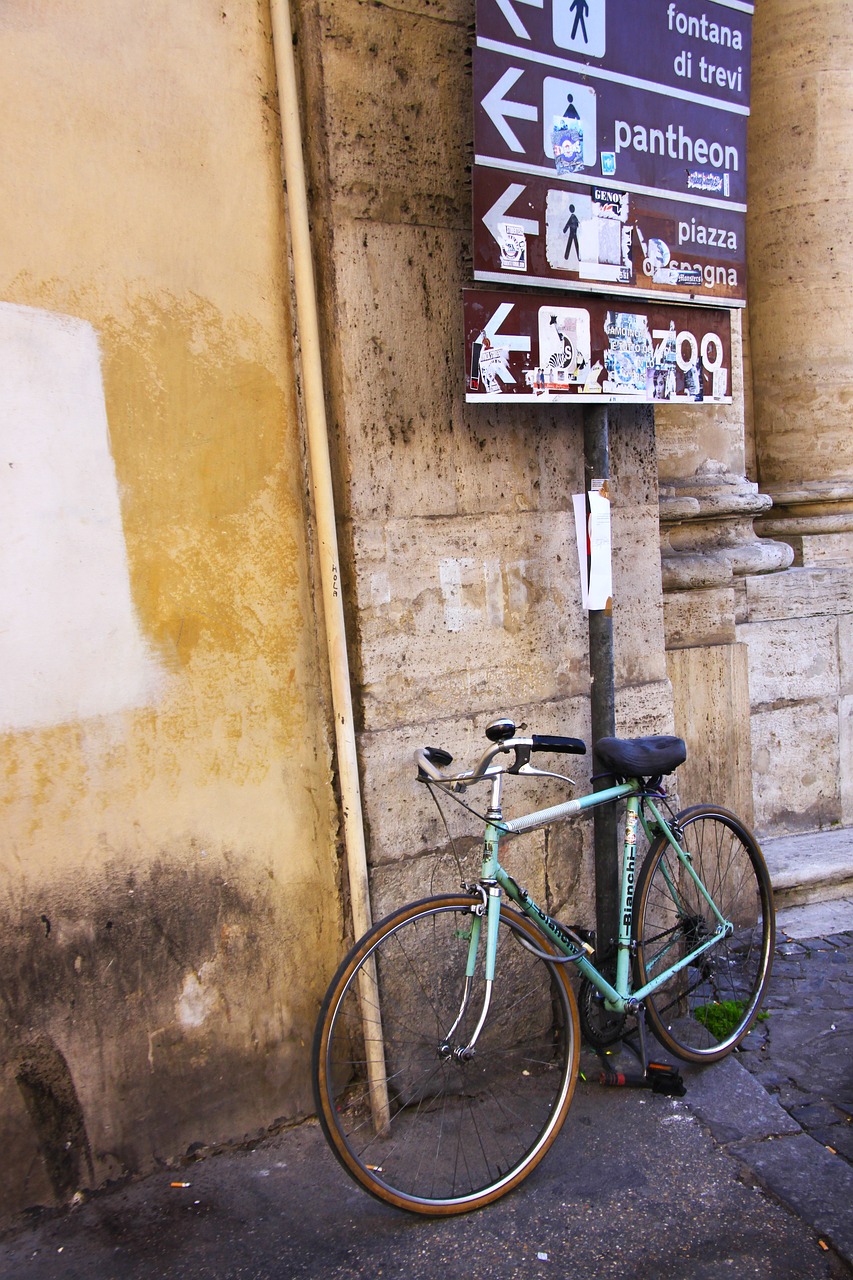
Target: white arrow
x=498, y=213
x=512, y=17
x=497, y=108
x=509, y=341
x=493, y=367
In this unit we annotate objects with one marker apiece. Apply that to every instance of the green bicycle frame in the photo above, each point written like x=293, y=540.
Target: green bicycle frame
x=620, y=997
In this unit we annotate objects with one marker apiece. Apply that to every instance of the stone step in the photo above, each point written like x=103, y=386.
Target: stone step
x=815, y=867
x=812, y=879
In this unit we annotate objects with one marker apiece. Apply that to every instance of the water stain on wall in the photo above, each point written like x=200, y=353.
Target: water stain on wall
x=143, y=1011
x=50, y=1098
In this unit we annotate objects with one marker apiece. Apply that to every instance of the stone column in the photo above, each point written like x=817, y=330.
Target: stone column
x=800, y=237
x=708, y=552
x=799, y=628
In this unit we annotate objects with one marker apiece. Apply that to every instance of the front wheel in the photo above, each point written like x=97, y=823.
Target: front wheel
x=415, y=1122
x=705, y=1009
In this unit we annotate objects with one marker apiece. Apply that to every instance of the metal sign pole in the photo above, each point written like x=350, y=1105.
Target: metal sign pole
x=596, y=440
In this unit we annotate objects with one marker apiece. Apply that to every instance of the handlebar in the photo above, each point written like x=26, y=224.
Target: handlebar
x=432, y=761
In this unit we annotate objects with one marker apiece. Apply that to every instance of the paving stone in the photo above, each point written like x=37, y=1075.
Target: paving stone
x=812, y=1181
x=813, y=1114
x=771, y=1077
x=733, y=1104
x=837, y=1136
x=807, y=1051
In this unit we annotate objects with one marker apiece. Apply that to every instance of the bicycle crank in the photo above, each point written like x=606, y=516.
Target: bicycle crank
x=600, y=1027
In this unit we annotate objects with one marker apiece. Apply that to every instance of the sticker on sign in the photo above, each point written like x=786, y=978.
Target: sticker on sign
x=538, y=349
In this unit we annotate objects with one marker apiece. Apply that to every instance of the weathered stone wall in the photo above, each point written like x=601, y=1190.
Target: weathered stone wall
x=167, y=841
x=463, y=573
x=709, y=549
x=798, y=627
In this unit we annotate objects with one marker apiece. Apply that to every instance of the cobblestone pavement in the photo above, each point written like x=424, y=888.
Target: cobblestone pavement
x=803, y=1052
x=788, y=1117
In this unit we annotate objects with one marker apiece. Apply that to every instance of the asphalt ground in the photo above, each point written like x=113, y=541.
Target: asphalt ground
x=751, y=1173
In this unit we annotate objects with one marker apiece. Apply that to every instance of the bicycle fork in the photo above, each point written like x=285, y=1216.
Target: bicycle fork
x=490, y=909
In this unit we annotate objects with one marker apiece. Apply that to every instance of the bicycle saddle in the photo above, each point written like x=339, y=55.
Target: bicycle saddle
x=641, y=757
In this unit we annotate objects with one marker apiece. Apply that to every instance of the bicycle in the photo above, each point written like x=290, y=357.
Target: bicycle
x=447, y=1047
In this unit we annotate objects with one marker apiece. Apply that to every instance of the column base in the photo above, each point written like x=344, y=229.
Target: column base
x=815, y=520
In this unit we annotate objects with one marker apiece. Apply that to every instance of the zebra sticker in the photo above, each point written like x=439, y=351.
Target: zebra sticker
x=564, y=342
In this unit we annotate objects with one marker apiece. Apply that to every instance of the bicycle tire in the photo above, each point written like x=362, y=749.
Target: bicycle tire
x=705, y=1010
x=457, y=1134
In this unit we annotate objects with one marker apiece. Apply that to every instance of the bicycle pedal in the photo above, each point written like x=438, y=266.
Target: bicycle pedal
x=665, y=1079
x=659, y=1077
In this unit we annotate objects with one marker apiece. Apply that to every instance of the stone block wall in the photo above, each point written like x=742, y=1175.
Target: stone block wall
x=456, y=520
x=462, y=618
x=797, y=625
x=798, y=628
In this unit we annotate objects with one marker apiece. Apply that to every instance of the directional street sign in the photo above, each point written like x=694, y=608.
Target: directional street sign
x=610, y=145
x=694, y=46
x=647, y=139
x=599, y=236
x=545, y=347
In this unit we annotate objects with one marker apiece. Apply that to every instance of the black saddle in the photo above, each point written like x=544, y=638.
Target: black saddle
x=640, y=757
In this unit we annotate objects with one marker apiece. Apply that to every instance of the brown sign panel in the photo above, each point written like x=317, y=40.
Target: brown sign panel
x=541, y=348
x=567, y=235
x=534, y=118
x=693, y=46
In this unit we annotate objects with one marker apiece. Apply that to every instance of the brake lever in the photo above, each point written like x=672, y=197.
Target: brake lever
x=523, y=767
x=530, y=771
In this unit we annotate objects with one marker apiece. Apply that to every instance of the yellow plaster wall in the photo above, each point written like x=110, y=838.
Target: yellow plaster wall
x=165, y=866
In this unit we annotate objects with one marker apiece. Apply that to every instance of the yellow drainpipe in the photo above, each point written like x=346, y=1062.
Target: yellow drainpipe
x=308, y=324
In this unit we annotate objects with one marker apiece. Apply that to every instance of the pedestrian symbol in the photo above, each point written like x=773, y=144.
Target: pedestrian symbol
x=572, y=228
x=581, y=9
x=579, y=25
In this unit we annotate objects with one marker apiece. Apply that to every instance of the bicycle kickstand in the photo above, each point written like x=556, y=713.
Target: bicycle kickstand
x=660, y=1077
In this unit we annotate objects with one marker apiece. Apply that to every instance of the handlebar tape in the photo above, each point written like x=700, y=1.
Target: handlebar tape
x=564, y=746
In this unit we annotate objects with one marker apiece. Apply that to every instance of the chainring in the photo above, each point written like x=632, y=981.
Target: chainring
x=599, y=1026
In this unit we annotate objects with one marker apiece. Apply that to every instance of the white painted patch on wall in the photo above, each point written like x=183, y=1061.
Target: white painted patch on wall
x=494, y=593
x=503, y=586
x=198, y=999
x=517, y=592
x=70, y=643
x=450, y=573
x=380, y=588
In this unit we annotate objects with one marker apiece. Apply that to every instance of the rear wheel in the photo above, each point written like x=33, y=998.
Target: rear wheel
x=424, y=1128
x=705, y=1009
